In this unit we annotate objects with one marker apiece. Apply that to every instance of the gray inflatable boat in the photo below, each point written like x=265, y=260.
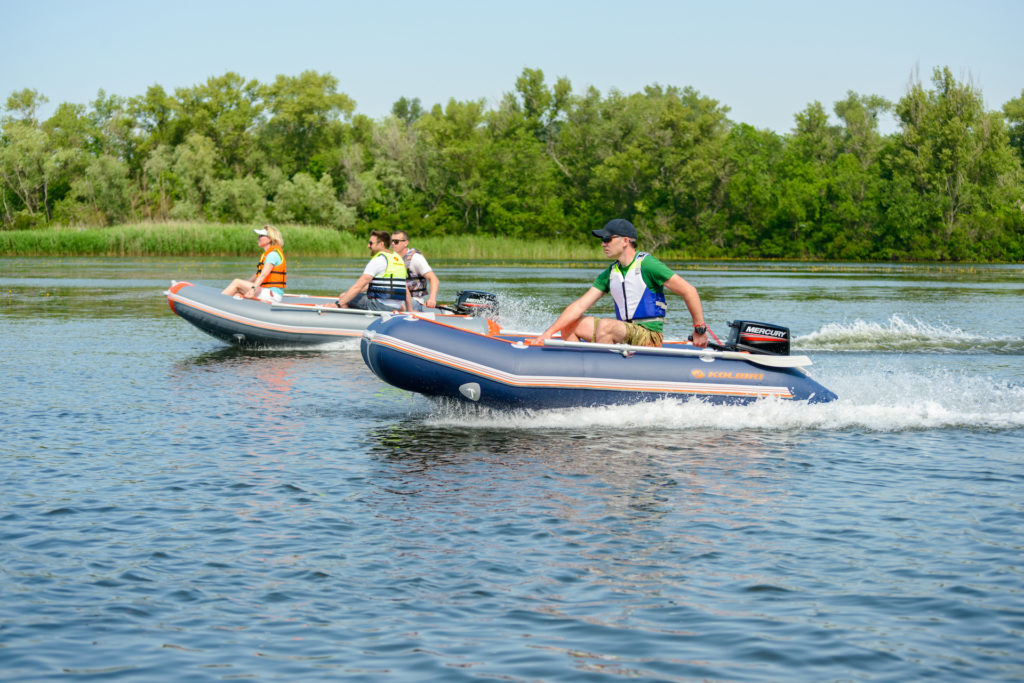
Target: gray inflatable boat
x=299, y=320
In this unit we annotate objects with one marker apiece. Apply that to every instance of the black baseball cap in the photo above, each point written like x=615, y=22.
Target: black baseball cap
x=616, y=226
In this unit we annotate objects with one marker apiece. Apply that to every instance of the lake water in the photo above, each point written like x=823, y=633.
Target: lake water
x=174, y=509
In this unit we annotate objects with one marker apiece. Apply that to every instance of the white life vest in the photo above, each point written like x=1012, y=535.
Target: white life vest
x=634, y=300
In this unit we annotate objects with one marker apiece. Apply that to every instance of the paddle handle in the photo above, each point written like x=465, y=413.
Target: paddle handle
x=757, y=359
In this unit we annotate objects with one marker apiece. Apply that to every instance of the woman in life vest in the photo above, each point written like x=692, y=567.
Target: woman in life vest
x=271, y=276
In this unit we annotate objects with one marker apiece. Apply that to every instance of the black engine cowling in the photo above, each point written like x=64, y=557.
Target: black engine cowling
x=477, y=303
x=747, y=335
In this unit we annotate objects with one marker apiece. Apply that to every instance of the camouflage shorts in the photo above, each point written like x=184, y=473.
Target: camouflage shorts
x=638, y=335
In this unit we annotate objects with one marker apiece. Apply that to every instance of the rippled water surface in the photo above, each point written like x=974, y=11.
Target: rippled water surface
x=173, y=509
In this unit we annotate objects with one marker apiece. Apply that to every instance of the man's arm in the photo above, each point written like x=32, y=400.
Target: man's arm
x=433, y=283
x=688, y=292
x=572, y=314
x=358, y=286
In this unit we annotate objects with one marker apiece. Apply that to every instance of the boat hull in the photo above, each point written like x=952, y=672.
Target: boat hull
x=297, y=322
x=501, y=371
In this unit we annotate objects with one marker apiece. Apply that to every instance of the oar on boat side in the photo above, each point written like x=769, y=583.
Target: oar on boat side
x=757, y=359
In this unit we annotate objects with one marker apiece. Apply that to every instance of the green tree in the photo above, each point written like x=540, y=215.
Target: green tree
x=237, y=200
x=953, y=166
x=542, y=107
x=520, y=179
x=750, y=164
x=193, y=167
x=859, y=115
x=306, y=117
x=407, y=110
x=113, y=127
x=650, y=157
x=801, y=225
x=579, y=148
x=23, y=105
x=1014, y=112
x=856, y=187
x=156, y=185
x=71, y=127
x=543, y=162
x=101, y=195
x=304, y=200
x=28, y=166
x=155, y=114
x=394, y=157
x=28, y=163
x=228, y=110
x=454, y=143
x=686, y=205
x=74, y=138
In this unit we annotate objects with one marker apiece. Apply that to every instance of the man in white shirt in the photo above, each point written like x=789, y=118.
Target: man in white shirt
x=421, y=281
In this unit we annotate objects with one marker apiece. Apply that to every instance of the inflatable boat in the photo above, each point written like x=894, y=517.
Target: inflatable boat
x=299, y=320
x=510, y=370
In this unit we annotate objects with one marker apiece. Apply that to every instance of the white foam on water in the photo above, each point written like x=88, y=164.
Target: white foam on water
x=346, y=344
x=525, y=313
x=877, y=400
x=341, y=344
x=900, y=335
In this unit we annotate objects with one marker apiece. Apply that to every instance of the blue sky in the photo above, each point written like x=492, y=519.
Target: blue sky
x=765, y=60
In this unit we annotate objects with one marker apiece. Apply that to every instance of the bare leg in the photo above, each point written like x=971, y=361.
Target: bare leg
x=598, y=330
x=601, y=330
x=574, y=331
x=238, y=286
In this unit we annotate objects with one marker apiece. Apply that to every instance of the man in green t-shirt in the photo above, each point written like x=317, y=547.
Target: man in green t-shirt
x=637, y=283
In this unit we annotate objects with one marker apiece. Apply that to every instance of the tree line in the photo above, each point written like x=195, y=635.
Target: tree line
x=543, y=163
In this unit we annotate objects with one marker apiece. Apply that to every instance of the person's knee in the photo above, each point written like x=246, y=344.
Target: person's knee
x=611, y=331
x=584, y=329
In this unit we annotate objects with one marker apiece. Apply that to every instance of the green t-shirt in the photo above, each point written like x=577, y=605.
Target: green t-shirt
x=654, y=273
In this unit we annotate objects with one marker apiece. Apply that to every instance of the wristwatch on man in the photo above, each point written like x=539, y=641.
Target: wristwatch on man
x=700, y=329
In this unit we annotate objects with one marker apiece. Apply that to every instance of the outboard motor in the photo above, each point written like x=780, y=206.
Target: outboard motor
x=476, y=303
x=747, y=335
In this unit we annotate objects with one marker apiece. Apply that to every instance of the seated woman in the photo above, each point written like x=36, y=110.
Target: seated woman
x=271, y=274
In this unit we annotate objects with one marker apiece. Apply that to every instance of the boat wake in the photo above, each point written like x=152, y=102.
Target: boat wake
x=519, y=312
x=878, y=400
x=898, y=335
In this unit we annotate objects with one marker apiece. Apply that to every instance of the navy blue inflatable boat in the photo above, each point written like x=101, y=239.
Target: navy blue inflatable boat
x=505, y=370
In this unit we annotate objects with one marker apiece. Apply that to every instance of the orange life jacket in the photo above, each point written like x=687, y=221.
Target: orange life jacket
x=278, y=277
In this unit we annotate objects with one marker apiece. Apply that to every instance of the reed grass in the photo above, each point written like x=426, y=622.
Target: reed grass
x=237, y=240
x=203, y=239
x=163, y=239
